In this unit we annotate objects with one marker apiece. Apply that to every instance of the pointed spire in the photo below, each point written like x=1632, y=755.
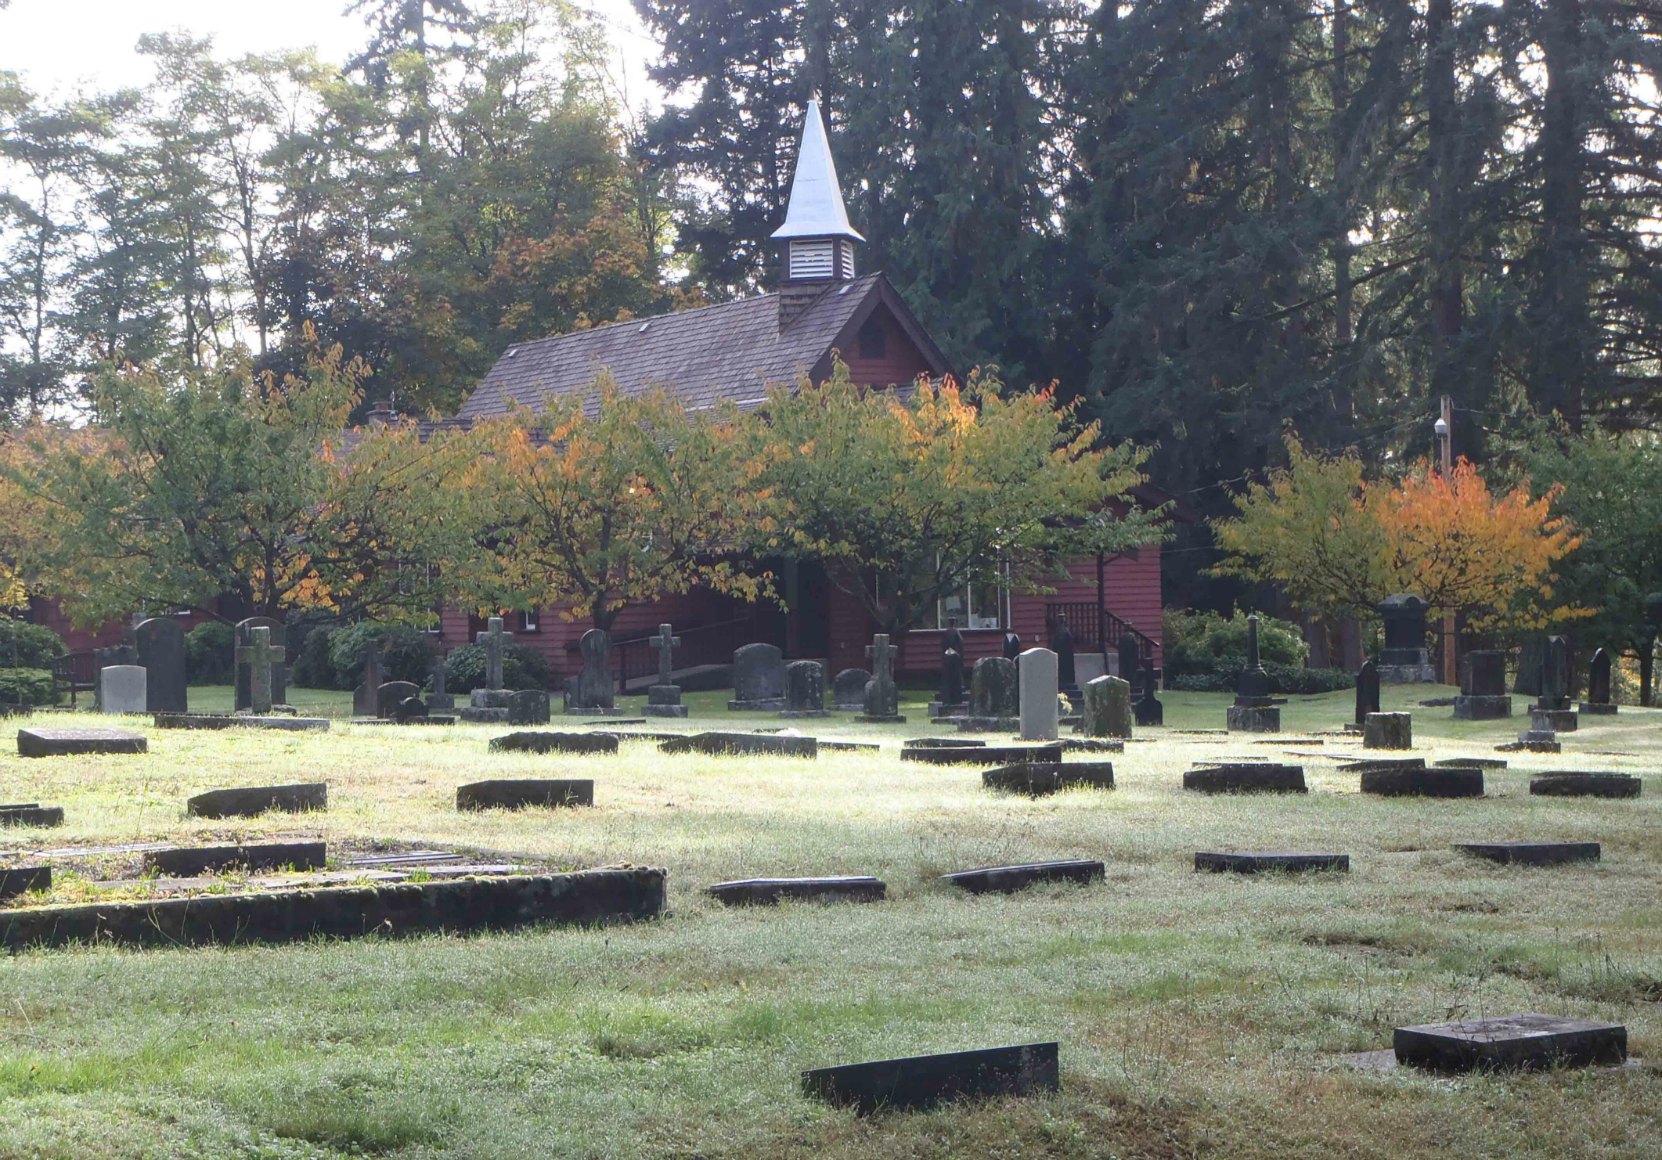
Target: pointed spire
x=815, y=209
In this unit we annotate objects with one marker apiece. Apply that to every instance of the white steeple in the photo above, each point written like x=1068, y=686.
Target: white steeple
x=815, y=209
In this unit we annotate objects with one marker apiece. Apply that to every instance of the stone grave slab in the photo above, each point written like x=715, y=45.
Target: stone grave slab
x=1510, y=1042
x=769, y=891
x=1532, y=853
x=758, y=678
x=1246, y=777
x=122, y=689
x=530, y=707
x=981, y=754
x=1367, y=763
x=985, y=724
x=804, y=690
x=1036, y=778
x=1009, y=879
x=940, y=742
x=848, y=691
x=518, y=793
x=1107, y=711
x=742, y=745
x=15, y=880
x=240, y=721
x=192, y=861
x=487, y=715
x=926, y=1081
x=851, y=746
x=1388, y=731
x=251, y=801
x=1470, y=763
x=31, y=814
x=531, y=741
x=1437, y=783
x=1532, y=741
x=1571, y=784
x=1254, y=861
x=1553, y=720
x=351, y=910
x=45, y=741
x=609, y=722
x=1095, y=744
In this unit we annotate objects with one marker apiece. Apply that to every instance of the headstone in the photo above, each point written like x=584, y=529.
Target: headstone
x=1446, y=782
x=1511, y=1042
x=1367, y=692
x=805, y=690
x=30, y=814
x=742, y=745
x=770, y=891
x=1254, y=861
x=1129, y=654
x=518, y=793
x=366, y=698
x=252, y=801
x=392, y=694
x=1147, y=709
x=1037, y=681
x=594, y=682
x=262, y=661
x=927, y=1081
x=1532, y=853
x=1388, y=731
x=1404, y=660
x=194, y=861
x=576, y=743
x=1107, y=711
x=1009, y=879
x=441, y=699
x=528, y=707
x=1483, y=695
x=16, y=880
x=882, y=695
x=663, y=699
x=1038, y=778
x=1012, y=646
x=121, y=689
x=160, y=641
x=848, y=691
x=495, y=643
x=413, y=711
x=993, y=695
x=1598, y=700
x=1254, y=710
x=1061, y=643
x=1246, y=777
x=1551, y=710
x=277, y=681
x=975, y=753
x=949, y=701
x=758, y=677
x=1571, y=784
x=49, y=742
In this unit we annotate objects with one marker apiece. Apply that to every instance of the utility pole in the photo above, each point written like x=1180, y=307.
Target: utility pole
x=1445, y=437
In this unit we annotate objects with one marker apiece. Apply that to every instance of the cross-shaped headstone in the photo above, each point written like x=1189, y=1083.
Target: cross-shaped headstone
x=882, y=657
x=259, y=655
x=441, y=675
x=495, y=641
x=666, y=643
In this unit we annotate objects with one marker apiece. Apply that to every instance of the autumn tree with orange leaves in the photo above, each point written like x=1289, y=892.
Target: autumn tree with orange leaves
x=230, y=484
x=1336, y=542
x=605, y=501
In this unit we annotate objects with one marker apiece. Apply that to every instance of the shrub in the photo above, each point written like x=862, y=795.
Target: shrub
x=28, y=646
x=1198, y=643
x=210, y=654
x=406, y=653
x=1283, y=679
x=522, y=668
x=312, y=668
x=26, y=686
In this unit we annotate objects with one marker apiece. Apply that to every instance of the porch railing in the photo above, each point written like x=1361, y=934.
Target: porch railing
x=1091, y=622
x=704, y=644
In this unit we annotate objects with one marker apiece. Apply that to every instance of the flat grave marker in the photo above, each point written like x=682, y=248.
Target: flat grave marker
x=1573, y=784
x=1436, y=783
x=980, y=754
x=1254, y=861
x=1510, y=1042
x=1009, y=879
x=769, y=891
x=15, y=880
x=519, y=793
x=47, y=741
x=31, y=814
x=1246, y=777
x=926, y=1081
x=1038, y=778
x=742, y=745
x=192, y=861
x=207, y=721
x=1532, y=853
x=532, y=741
x=251, y=801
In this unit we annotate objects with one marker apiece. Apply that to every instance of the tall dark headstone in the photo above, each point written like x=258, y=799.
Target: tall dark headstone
x=279, y=638
x=161, y=650
x=758, y=677
x=366, y=698
x=804, y=690
x=1061, y=643
x=1367, y=692
x=1254, y=710
x=1147, y=709
x=594, y=681
x=1483, y=695
x=1130, y=653
x=1012, y=646
x=1598, y=700
x=993, y=689
x=952, y=678
x=392, y=695
x=882, y=694
x=1404, y=660
x=1555, y=676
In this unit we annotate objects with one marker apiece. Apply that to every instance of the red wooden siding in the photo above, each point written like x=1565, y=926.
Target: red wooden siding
x=900, y=362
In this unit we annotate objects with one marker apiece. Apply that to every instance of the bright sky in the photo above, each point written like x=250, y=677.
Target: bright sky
x=61, y=44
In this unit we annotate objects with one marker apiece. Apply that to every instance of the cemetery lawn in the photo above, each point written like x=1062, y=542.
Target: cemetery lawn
x=1198, y=1015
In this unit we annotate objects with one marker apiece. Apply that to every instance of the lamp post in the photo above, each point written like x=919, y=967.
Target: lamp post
x=1444, y=429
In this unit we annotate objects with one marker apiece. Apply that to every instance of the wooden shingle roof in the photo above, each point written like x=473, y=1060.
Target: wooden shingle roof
x=731, y=351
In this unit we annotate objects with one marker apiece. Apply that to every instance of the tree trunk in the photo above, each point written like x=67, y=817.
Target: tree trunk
x=1561, y=323
x=1647, y=671
x=1442, y=114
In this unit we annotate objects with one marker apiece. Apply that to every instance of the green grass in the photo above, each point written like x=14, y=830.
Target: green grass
x=1198, y=1016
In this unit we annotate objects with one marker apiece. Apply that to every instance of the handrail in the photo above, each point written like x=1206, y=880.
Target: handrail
x=1093, y=621
x=702, y=644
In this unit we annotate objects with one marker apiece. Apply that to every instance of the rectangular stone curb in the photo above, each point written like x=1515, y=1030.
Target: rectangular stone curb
x=191, y=861
x=1437, y=783
x=1510, y=1042
x=1037, y=778
x=251, y=801
x=925, y=1081
x=980, y=754
x=535, y=742
x=1252, y=861
x=1532, y=853
x=768, y=891
x=1605, y=785
x=1008, y=879
x=518, y=793
x=235, y=721
x=31, y=815
x=44, y=741
x=15, y=880
x=1254, y=778
x=742, y=745
x=585, y=898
